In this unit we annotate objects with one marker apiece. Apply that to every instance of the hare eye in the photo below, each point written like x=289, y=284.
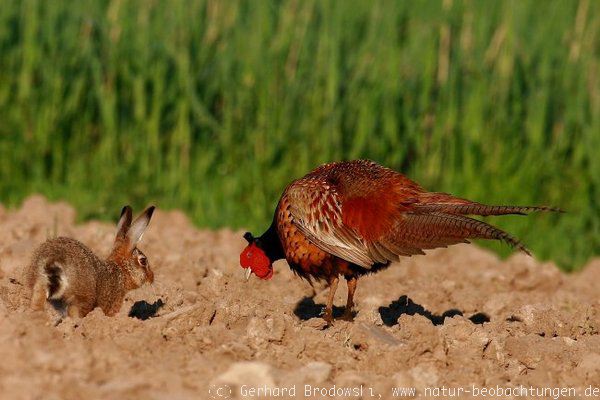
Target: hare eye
x=142, y=261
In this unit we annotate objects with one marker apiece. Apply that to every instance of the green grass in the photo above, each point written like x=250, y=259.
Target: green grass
x=214, y=106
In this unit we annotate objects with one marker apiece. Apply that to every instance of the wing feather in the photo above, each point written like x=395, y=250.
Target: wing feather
x=318, y=215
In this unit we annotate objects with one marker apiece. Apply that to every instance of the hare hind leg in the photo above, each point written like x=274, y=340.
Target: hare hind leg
x=79, y=310
x=38, y=296
x=81, y=306
x=73, y=311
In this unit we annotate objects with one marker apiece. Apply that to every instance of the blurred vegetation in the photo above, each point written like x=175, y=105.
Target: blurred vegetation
x=214, y=106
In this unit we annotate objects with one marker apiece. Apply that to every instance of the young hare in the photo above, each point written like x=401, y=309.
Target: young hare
x=69, y=276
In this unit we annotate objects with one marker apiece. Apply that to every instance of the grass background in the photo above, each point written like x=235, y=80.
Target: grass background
x=214, y=106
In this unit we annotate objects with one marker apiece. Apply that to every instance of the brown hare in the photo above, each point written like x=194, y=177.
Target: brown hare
x=69, y=276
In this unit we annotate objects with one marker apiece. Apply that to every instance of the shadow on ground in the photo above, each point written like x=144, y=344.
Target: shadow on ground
x=144, y=310
x=307, y=309
x=405, y=306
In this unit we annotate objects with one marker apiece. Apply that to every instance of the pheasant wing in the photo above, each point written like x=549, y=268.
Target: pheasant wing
x=317, y=212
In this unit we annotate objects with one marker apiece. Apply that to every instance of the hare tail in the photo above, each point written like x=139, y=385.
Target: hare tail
x=56, y=280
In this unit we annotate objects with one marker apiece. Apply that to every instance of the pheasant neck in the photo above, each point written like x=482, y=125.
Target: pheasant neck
x=270, y=243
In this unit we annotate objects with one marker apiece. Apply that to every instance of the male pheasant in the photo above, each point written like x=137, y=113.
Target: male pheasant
x=356, y=217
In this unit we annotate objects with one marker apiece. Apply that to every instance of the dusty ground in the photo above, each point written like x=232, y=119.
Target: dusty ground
x=457, y=317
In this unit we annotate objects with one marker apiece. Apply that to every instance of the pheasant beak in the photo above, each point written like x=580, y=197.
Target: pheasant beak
x=247, y=274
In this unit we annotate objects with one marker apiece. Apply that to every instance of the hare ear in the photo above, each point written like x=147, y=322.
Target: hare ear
x=124, y=222
x=138, y=227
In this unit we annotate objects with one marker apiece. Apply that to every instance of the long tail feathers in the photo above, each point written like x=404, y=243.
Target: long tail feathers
x=431, y=202
x=482, y=230
x=427, y=231
x=439, y=220
x=482, y=209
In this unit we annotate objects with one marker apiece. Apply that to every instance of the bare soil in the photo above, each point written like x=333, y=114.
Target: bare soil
x=456, y=317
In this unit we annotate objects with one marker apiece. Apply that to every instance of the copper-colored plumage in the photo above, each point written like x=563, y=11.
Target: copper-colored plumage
x=352, y=218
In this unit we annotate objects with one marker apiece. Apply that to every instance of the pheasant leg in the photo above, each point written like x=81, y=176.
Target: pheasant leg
x=352, y=281
x=328, y=316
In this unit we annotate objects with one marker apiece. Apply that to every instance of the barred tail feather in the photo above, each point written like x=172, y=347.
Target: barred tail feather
x=428, y=231
x=482, y=209
x=481, y=230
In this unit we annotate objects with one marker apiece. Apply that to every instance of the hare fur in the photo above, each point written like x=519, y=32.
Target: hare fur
x=67, y=275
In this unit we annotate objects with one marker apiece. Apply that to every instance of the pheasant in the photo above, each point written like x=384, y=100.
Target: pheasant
x=354, y=218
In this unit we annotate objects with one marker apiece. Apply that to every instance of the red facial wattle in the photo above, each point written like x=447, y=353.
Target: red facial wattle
x=255, y=258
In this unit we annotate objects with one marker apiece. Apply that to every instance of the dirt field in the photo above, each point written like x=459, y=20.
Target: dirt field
x=456, y=318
